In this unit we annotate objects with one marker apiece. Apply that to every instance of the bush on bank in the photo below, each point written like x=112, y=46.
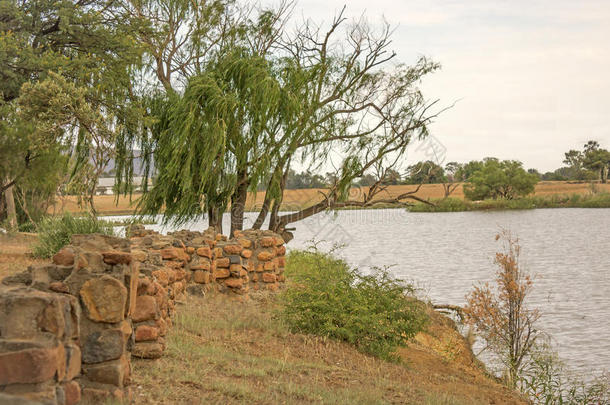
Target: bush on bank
x=376, y=313
x=55, y=232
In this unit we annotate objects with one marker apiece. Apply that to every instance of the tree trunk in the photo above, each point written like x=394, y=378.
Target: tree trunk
x=10, y=207
x=277, y=202
x=602, y=175
x=215, y=219
x=238, y=202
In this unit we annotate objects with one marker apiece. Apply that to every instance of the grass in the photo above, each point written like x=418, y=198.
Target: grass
x=599, y=200
x=55, y=232
x=230, y=352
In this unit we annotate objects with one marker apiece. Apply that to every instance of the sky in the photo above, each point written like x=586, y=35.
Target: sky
x=529, y=79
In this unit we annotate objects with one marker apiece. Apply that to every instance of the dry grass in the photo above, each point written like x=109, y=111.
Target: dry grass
x=228, y=352
x=297, y=199
x=16, y=253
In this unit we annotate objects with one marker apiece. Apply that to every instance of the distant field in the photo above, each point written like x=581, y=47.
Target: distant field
x=297, y=199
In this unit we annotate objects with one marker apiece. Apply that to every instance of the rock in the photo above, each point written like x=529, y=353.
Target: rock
x=73, y=361
x=234, y=282
x=103, y=346
x=281, y=251
x=196, y=290
x=116, y=257
x=269, y=278
x=267, y=241
x=222, y=273
x=201, y=265
x=72, y=393
x=233, y=249
x=146, y=333
x=105, y=299
x=116, y=372
x=59, y=287
x=204, y=251
x=201, y=277
x=281, y=261
x=65, y=257
x=269, y=266
x=146, y=309
x=246, y=253
x=223, y=262
x=246, y=243
x=148, y=350
x=265, y=256
x=29, y=362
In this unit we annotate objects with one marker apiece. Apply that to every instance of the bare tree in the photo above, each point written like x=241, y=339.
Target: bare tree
x=501, y=315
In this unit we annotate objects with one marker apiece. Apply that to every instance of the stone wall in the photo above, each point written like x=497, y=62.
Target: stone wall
x=68, y=329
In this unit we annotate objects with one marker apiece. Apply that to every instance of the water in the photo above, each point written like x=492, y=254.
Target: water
x=567, y=250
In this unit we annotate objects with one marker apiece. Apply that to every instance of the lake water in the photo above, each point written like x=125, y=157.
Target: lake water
x=567, y=250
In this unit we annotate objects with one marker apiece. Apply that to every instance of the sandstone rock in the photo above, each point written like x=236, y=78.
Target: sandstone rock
x=246, y=243
x=201, y=265
x=201, y=277
x=190, y=250
x=246, y=253
x=115, y=372
x=269, y=266
x=281, y=251
x=148, y=350
x=72, y=393
x=146, y=309
x=272, y=287
x=222, y=273
x=103, y=346
x=115, y=257
x=233, y=249
x=269, y=278
x=278, y=241
x=281, y=261
x=196, y=290
x=139, y=255
x=28, y=361
x=267, y=241
x=73, y=361
x=59, y=287
x=265, y=256
x=204, y=251
x=105, y=299
x=16, y=400
x=234, y=282
x=146, y=333
x=65, y=257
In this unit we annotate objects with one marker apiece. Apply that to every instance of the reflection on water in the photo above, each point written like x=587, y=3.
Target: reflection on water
x=568, y=250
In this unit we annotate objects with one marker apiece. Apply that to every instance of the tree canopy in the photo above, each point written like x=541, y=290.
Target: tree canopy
x=499, y=179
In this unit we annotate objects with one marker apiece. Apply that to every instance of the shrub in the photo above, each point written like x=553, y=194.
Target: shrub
x=55, y=232
x=327, y=298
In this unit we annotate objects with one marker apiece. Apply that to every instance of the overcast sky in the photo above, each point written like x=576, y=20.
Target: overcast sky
x=531, y=78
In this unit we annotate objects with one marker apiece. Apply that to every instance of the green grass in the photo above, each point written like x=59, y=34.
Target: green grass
x=599, y=200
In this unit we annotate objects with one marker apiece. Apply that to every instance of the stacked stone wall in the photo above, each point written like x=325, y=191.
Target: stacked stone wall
x=68, y=329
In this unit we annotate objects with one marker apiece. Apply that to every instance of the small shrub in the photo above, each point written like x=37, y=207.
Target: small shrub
x=55, y=232
x=327, y=298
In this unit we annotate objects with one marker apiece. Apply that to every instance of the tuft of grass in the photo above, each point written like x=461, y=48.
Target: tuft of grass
x=55, y=232
x=327, y=298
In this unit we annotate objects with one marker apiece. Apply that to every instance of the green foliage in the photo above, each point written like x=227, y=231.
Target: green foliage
x=499, y=179
x=426, y=172
x=55, y=232
x=327, y=298
x=547, y=381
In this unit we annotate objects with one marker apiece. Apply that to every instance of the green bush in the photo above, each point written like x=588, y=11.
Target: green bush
x=327, y=298
x=55, y=232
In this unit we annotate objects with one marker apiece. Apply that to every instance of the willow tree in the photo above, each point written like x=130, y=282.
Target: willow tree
x=211, y=143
